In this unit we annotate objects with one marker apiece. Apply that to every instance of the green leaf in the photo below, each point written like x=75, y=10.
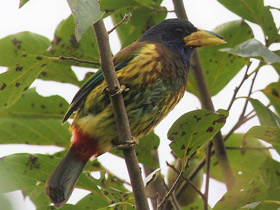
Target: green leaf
x=86, y=13
x=194, y=129
x=128, y=33
x=93, y=202
x=144, y=150
x=12, y=47
x=245, y=159
x=29, y=172
x=65, y=43
x=60, y=71
x=220, y=67
x=265, y=115
x=269, y=134
x=22, y=2
x=256, y=12
x=37, y=119
x=272, y=91
x=263, y=205
x=5, y=202
x=198, y=205
x=253, y=49
x=17, y=80
x=261, y=187
x=277, y=65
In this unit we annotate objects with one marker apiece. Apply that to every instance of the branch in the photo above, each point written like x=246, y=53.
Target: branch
x=78, y=60
x=120, y=115
x=208, y=162
x=165, y=199
x=157, y=187
x=206, y=102
x=245, y=77
x=124, y=20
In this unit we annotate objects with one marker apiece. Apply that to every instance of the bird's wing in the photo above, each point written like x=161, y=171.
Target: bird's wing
x=121, y=59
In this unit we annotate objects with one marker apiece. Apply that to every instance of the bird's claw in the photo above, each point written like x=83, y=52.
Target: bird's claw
x=128, y=144
x=119, y=90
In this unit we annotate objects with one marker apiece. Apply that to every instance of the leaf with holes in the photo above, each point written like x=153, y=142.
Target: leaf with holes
x=26, y=172
x=256, y=12
x=220, y=67
x=269, y=134
x=194, y=129
x=17, y=80
x=37, y=119
x=12, y=47
x=253, y=49
x=86, y=13
x=272, y=91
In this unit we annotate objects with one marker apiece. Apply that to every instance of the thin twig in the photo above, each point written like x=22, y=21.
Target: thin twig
x=166, y=197
x=187, y=180
x=249, y=148
x=79, y=60
x=208, y=162
x=124, y=20
x=245, y=77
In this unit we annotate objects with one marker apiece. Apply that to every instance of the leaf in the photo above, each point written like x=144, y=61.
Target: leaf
x=12, y=47
x=198, y=204
x=266, y=117
x=144, y=150
x=253, y=49
x=92, y=201
x=17, y=80
x=22, y=2
x=277, y=65
x=65, y=43
x=269, y=134
x=128, y=33
x=194, y=129
x=5, y=202
x=86, y=13
x=60, y=71
x=262, y=205
x=272, y=91
x=264, y=187
x=151, y=177
x=37, y=119
x=256, y=12
x=245, y=162
x=26, y=172
x=220, y=67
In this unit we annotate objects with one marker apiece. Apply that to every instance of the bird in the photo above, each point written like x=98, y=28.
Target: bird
x=154, y=71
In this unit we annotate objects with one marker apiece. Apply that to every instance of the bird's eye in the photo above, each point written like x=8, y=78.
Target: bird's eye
x=179, y=31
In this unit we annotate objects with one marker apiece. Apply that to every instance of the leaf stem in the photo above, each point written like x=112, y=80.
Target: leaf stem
x=78, y=60
x=124, y=20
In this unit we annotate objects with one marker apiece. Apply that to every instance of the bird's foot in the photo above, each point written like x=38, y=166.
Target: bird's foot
x=127, y=144
x=119, y=90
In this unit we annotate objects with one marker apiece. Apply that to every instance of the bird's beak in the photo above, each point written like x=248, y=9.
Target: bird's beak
x=202, y=38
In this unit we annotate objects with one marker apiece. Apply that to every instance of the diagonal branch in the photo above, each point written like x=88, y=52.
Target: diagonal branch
x=120, y=115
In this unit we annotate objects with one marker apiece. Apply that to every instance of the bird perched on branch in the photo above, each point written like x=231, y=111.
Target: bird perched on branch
x=154, y=70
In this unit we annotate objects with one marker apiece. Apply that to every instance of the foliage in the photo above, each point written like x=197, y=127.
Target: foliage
x=29, y=118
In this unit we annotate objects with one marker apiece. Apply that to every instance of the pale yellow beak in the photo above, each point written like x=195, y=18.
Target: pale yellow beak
x=202, y=38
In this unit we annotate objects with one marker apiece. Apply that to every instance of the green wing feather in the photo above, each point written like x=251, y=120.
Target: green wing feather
x=121, y=59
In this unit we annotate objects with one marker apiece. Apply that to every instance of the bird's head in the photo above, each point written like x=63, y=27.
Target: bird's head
x=181, y=33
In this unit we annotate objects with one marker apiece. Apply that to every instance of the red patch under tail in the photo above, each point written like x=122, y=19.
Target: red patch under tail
x=83, y=145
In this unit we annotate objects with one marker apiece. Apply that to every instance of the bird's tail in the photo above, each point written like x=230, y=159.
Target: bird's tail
x=62, y=181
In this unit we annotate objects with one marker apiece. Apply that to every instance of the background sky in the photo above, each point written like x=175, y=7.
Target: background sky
x=42, y=17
